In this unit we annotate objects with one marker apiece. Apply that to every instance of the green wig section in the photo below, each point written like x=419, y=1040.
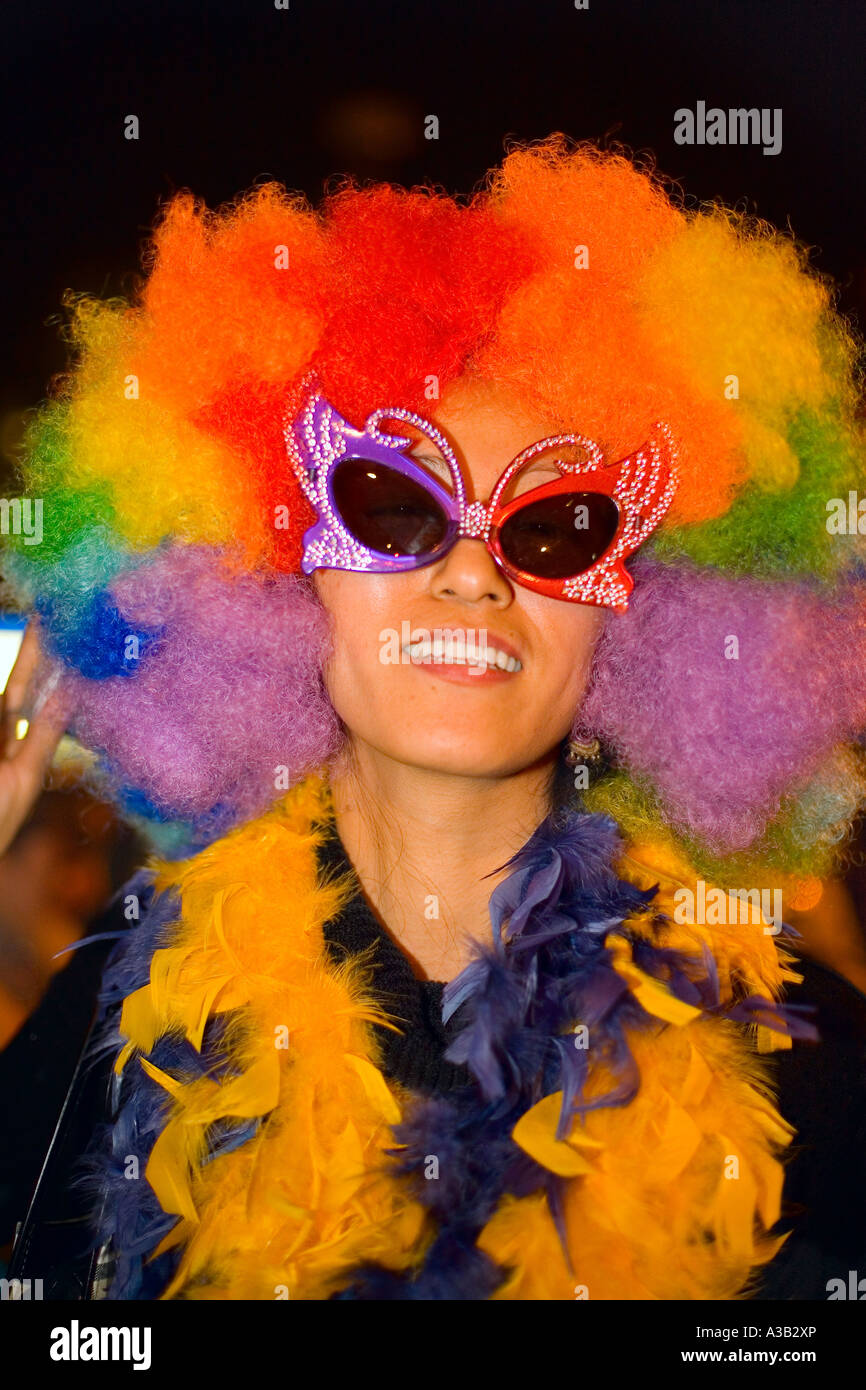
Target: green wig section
x=785, y=534
x=805, y=839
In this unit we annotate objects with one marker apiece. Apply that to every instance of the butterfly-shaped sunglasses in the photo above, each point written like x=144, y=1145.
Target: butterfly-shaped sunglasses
x=381, y=510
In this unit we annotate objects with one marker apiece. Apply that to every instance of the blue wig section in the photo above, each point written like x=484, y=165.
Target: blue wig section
x=137, y=803
x=170, y=840
x=95, y=638
x=172, y=837
x=90, y=562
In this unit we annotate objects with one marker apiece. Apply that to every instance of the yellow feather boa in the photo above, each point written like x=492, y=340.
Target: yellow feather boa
x=669, y=1197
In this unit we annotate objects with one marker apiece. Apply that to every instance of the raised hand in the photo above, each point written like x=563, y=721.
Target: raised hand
x=25, y=761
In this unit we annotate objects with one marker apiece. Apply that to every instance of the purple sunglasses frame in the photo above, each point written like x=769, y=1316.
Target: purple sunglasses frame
x=318, y=438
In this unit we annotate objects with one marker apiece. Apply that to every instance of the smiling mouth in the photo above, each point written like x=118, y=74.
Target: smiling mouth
x=455, y=652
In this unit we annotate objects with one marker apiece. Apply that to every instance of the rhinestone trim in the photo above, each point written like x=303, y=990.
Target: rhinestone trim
x=646, y=483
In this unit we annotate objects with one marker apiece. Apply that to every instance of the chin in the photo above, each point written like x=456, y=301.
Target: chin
x=461, y=759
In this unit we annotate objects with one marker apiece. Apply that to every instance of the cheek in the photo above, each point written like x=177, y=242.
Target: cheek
x=568, y=635
x=349, y=622
x=571, y=635
x=361, y=611
x=560, y=694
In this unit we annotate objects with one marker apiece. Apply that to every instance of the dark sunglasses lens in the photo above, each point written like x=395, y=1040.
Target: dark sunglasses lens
x=385, y=510
x=560, y=536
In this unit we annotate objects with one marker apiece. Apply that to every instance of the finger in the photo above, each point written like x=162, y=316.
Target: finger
x=47, y=709
x=25, y=664
x=13, y=698
x=23, y=701
x=33, y=753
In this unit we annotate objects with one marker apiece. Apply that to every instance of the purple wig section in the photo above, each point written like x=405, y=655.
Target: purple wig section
x=726, y=694
x=229, y=696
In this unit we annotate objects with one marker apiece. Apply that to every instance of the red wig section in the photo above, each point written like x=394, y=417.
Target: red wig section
x=416, y=285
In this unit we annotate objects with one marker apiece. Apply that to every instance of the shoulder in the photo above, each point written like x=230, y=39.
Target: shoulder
x=821, y=1090
x=62, y=1049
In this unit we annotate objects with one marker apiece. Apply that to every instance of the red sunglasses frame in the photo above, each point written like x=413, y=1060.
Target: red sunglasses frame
x=642, y=486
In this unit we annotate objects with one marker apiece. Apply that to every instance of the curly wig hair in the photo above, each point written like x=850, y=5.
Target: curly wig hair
x=729, y=699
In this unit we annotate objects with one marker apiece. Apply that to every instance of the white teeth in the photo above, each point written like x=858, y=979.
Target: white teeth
x=457, y=653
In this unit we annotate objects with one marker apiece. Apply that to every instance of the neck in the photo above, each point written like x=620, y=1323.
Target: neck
x=429, y=848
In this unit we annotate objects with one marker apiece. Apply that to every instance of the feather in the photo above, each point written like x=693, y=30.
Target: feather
x=299, y=1166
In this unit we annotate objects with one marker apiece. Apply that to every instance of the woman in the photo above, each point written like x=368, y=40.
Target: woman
x=419, y=566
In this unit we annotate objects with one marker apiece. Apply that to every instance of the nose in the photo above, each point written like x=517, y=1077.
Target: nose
x=470, y=574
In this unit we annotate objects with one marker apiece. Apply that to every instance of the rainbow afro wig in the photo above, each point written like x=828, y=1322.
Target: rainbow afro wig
x=729, y=699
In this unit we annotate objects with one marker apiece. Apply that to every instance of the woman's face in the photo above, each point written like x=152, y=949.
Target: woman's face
x=469, y=720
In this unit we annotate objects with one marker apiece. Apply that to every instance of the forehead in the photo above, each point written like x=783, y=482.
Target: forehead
x=486, y=429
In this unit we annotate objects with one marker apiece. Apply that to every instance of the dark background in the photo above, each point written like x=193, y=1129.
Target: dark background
x=229, y=92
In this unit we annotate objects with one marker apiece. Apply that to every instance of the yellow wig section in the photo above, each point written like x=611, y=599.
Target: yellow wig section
x=167, y=479
x=728, y=301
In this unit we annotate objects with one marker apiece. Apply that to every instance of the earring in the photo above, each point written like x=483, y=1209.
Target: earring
x=582, y=751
